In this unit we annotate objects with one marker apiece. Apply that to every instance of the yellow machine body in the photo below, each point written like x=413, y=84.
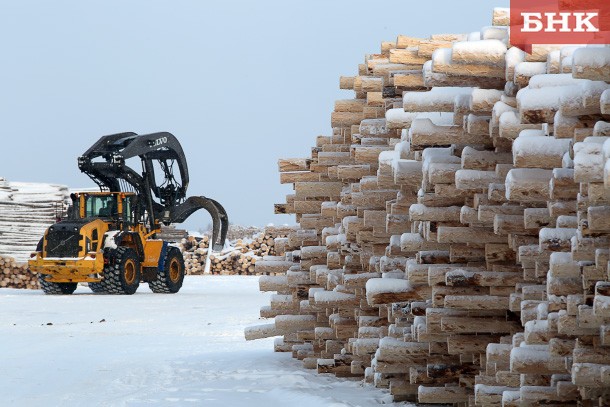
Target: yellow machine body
x=87, y=263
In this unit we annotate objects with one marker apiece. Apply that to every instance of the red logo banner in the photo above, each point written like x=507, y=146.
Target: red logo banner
x=559, y=22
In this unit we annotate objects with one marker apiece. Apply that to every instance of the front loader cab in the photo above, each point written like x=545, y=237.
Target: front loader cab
x=111, y=207
x=101, y=206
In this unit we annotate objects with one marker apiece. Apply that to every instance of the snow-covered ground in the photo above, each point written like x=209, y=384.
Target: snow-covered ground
x=153, y=349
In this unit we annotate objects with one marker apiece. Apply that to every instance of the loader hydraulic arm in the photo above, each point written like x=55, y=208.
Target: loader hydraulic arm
x=164, y=201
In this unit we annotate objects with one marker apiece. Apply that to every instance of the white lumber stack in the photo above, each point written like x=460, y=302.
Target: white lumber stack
x=461, y=256
x=26, y=211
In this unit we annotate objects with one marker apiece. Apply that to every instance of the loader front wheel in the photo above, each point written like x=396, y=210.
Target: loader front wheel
x=55, y=288
x=169, y=280
x=122, y=274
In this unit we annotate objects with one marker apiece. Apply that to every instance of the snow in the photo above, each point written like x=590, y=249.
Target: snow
x=332, y=296
x=605, y=101
x=474, y=36
x=474, y=52
x=593, y=90
x=529, y=179
x=536, y=355
x=602, y=129
x=438, y=118
x=510, y=118
x=417, y=210
x=588, y=160
x=411, y=241
x=514, y=56
x=560, y=258
x=403, y=150
x=398, y=118
x=386, y=157
x=540, y=98
x=432, y=99
x=109, y=241
x=542, y=146
x=567, y=161
x=559, y=234
x=591, y=57
x=475, y=179
x=497, y=111
x=606, y=149
x=495, y=33
x=550, y=80
x=485, y=98
x=530, y=68
x=376, y=286
x=441, y=56
x=433, y=155
x=182, y=349
x=601, y=305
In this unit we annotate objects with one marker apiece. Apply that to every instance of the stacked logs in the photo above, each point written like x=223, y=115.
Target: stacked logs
x=239, y=257
x=454, y=243
x=16, y=275
x=26, y=210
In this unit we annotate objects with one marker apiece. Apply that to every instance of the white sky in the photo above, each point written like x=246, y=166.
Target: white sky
x=240, y=83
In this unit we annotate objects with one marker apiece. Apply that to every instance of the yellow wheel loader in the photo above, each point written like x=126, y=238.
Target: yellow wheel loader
x=109, y=238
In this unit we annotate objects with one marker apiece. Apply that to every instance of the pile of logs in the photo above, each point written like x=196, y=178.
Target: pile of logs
x=26, y=210
x=16, y=275
x=240, y=255
x=454, y=230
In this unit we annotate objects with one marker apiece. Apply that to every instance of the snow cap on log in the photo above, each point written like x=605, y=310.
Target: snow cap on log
x=531, y=150
x=528, y=185
x=592, y=63
x=434, y=100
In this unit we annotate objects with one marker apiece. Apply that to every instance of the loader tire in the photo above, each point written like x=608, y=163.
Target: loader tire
x=97, y=288
x=122, y=274
x=55, y=288
x=169, y=280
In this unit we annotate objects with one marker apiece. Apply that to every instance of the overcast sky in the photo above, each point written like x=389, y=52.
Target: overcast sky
x=241, y=83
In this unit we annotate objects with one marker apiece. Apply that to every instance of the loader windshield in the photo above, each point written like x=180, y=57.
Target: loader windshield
x=101, y=206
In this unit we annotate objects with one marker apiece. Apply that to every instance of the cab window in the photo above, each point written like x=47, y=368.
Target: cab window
x=100, y=206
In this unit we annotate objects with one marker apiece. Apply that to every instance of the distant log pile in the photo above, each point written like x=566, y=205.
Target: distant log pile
x=16, y=275
x=239, y=257
x=26, y=210
x=454, y=238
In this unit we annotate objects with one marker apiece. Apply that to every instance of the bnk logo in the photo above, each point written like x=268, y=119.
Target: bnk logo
x=567, y=22
x=559, y=22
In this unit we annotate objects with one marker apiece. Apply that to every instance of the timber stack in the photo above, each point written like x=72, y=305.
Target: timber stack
x=454, y=229
x=26, y=210
x=240, y=255
x=16, y=275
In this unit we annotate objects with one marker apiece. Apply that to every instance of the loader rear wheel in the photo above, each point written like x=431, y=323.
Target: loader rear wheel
x=55, y=288
x=122, y=274
x=169, y=280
